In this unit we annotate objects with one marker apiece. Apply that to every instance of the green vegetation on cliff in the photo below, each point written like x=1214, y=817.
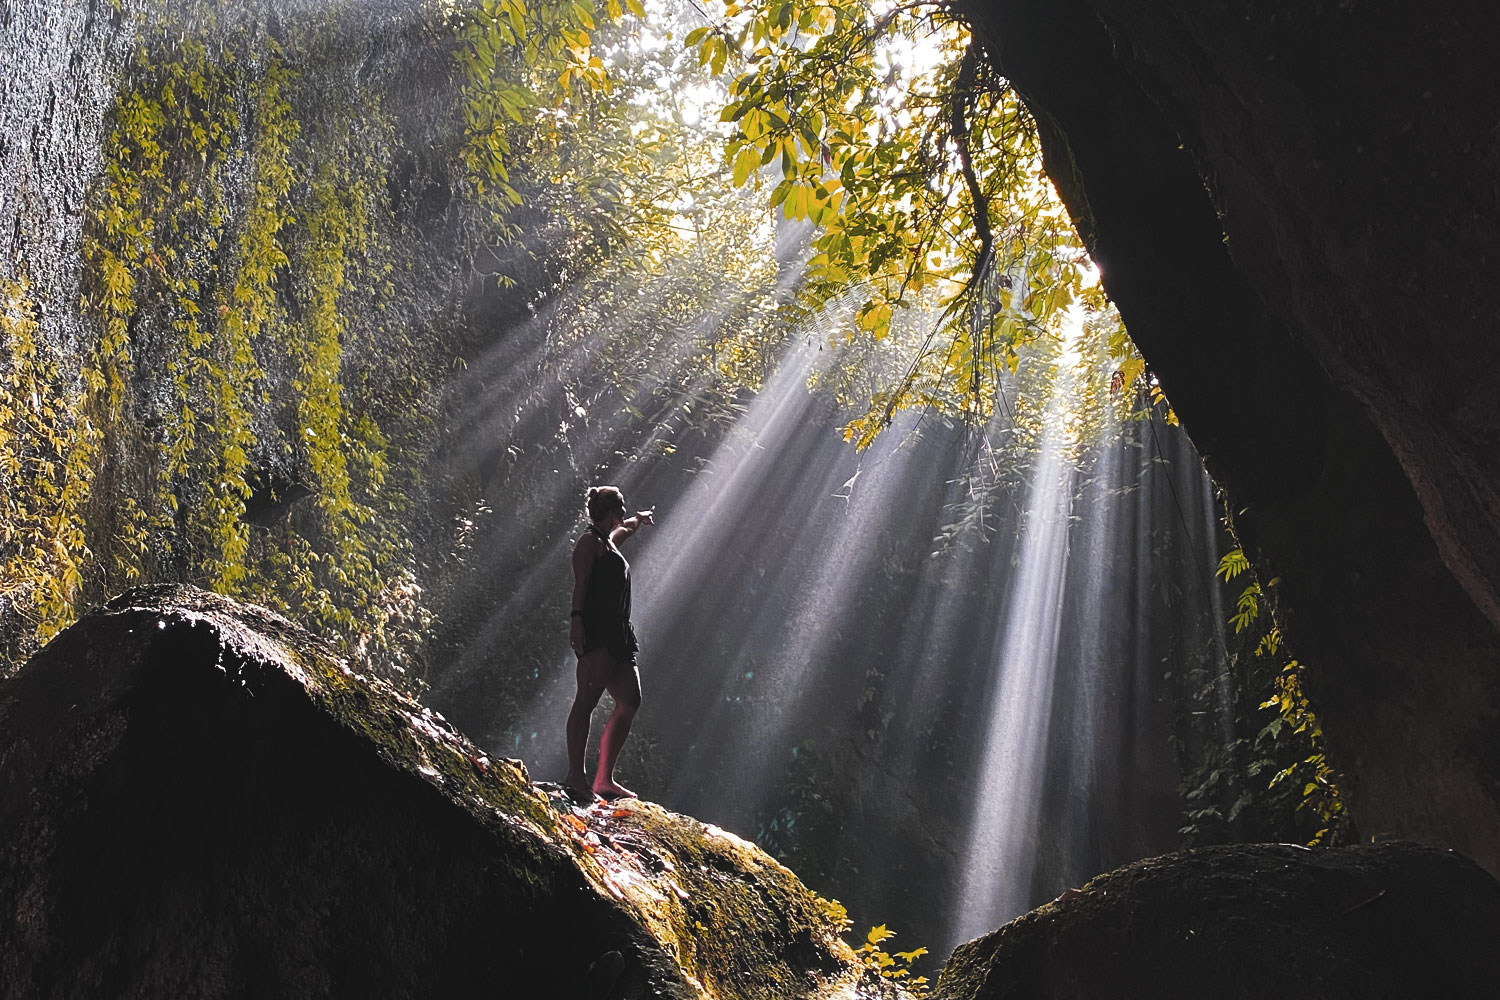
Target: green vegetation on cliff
x=289, y=249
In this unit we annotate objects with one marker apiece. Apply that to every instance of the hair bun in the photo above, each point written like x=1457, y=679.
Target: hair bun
x=601, y=500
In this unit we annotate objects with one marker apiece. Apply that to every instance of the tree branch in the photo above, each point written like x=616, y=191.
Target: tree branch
x=958, y=125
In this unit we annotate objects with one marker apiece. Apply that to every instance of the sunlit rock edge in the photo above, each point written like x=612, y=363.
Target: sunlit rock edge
x=1251, y=921
x=198, y=797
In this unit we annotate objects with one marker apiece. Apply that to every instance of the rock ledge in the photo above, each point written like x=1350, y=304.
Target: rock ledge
x=198, y=798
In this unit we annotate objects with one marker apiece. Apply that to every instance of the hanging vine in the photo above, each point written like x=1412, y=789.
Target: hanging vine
x=46, y=474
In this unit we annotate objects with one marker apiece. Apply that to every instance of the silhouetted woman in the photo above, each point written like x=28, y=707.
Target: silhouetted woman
x=603, y=640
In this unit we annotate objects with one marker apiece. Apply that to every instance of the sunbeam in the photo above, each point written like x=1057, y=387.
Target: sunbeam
x=829, y=663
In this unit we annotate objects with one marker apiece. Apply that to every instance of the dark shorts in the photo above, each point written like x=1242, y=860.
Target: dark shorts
x=618, y=638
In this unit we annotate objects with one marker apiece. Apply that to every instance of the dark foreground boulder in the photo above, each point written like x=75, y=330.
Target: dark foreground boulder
x=196, y=799
x=1252, y=921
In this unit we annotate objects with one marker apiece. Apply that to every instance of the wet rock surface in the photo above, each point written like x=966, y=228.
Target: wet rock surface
x=1258, y=920
x=196, y=798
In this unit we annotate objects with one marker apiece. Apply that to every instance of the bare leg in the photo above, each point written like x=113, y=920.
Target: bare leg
x=625, y=688
x=594, y=671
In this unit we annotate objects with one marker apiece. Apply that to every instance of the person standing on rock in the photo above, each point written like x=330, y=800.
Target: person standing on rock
x=603, y=640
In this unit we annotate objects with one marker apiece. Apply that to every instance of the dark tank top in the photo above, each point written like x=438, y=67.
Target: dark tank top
x=606, y=603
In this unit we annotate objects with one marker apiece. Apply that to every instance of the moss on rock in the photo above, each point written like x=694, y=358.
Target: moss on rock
x=196, y=797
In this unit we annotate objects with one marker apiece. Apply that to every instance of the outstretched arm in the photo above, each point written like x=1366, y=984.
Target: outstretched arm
x=633, y=524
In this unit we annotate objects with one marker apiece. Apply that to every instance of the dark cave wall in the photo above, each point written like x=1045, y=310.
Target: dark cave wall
x=1293, y=206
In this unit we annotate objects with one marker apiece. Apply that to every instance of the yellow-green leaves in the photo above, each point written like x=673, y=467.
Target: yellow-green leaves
x=713, y=48
x=746, y=162
x=517, y=59
x=185, y=260
x=1232, y=564
x=874, y=317
x=925, y=190
x=331, y=229
x=1320, y=796
x=47, y=466
x=897, y=967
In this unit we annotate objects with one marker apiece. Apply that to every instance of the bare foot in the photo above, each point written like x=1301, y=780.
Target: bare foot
x=578, y=789
x=610, y=790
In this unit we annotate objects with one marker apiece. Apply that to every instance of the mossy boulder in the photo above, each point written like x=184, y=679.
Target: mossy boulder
x=1251, y=921
x=199, y=799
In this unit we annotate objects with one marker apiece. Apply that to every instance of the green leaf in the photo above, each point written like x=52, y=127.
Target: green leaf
x=1233, y=564
x=744, y=165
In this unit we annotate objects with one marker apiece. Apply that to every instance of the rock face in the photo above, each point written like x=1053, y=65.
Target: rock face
x=1294, y=206
x=196, y=799
x=1253, y=921
x=57, y=85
